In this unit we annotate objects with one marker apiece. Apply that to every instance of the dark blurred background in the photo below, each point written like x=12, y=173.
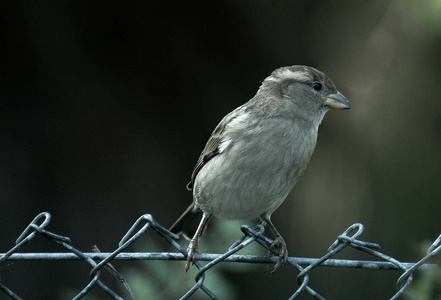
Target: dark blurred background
x=105, y=107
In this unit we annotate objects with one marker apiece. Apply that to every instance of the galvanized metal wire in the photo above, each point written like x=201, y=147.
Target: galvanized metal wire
x=251, y=234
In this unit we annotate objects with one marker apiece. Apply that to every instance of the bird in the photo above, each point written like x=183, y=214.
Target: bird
x=257, y=153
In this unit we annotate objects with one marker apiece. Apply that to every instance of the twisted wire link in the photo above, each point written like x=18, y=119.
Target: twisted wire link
x=28, y=234
x=251, y=234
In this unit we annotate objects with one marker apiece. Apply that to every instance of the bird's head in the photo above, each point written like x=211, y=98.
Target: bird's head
x=299, y=91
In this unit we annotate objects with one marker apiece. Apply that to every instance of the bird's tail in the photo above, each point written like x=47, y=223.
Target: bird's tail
x=187, y=223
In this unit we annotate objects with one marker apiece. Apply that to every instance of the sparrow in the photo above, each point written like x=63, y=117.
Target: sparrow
x=257, y=152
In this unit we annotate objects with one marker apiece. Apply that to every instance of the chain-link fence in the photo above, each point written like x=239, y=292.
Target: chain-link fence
x=100, y=261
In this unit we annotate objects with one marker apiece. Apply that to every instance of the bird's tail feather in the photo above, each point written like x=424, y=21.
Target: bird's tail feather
x=187, y=223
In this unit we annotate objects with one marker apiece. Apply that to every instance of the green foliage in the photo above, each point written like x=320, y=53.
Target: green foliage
x=427, y=283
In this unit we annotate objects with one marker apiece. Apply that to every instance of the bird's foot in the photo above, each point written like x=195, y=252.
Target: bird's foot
x=279, y=242
x=192, y=253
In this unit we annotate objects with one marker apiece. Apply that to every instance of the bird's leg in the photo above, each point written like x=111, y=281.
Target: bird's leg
x=278, y=242
x=193, y=247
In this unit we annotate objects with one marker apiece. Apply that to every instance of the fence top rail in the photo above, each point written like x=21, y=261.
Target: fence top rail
x=303, y=261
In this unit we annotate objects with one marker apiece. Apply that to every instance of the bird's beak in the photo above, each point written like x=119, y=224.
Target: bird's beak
x=337, y=101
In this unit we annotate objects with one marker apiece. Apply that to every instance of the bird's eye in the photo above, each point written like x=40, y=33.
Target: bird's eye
x=317, y=86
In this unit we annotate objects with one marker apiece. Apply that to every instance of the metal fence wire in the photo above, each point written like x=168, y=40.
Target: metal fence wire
x=254, y=234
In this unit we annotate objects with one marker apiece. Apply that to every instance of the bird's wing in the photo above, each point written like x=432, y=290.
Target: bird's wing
x=214, y=145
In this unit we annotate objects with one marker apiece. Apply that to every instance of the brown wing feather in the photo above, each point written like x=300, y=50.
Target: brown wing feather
x=211, y=150
x=212, y=147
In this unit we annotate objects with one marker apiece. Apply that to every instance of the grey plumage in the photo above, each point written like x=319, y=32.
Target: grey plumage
x=257, y=153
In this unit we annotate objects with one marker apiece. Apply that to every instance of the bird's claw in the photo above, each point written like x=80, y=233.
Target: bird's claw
x=279, y=242
x=192, y=253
